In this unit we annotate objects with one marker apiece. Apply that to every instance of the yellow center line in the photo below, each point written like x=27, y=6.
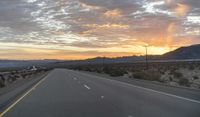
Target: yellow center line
x=18, y=100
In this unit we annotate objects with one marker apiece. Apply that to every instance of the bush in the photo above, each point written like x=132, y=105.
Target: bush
x=191, y=67
x=147, y=75
x=114, y=71
x=12, y=78
x=98, y=70
x=2, y=81
x=24, y=75
x=184, y=82
x=170, y=78
x=162, y=72
x=177, y=74
x=195, y=77
x=88, y=69
x=139, y=75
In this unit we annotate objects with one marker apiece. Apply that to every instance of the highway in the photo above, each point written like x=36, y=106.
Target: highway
x=67, y=93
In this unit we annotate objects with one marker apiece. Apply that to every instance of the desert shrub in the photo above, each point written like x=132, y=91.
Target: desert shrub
x=2, y=81
x=88, y=69
x=106, y=70
x=162, y=71
x=23, y=75
x=147, y=75
x=139, y=75
x=16, y=76
x=191, y=67
x=114, y=71
x=170, y=78
x=98, y=70
x=184, y=82
x=195, y=77
x=77, y=68
x=177, y=74
x=12, y=78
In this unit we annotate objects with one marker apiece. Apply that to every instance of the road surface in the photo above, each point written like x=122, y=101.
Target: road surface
x=66, y=93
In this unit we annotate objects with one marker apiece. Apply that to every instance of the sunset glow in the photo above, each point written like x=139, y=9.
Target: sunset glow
x=80, y=29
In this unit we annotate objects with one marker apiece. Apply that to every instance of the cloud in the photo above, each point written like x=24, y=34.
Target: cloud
x=113, y=13
x=97, y=24
x=107, y=26
x=181, y=9
x=34, y=53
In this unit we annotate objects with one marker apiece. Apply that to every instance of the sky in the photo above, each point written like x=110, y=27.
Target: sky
x=80, y=29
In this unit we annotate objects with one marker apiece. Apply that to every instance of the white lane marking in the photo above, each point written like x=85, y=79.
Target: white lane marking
x=18, y=100
x=87, y=87
x=167, y=94
x=102, y=97
x=75, y=78
x=139, y=87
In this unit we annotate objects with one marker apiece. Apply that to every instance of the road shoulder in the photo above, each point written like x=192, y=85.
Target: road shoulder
x=14, y=91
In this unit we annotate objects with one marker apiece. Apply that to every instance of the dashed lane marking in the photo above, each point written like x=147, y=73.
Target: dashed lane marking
x=87, y=87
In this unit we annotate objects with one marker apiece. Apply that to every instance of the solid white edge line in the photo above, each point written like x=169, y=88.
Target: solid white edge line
x=163, y=93
x=188, y=99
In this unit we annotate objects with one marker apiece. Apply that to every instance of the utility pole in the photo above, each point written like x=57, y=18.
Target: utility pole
x=146, y=47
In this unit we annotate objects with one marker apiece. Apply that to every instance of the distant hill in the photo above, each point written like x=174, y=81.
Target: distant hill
x=183, y=53
x=190, y=52
x=24, y=63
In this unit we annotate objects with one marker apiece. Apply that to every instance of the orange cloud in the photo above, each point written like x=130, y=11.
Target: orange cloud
x=88, y=32
x=113, y=13
x=181, y=9
x=108, y=26
x=102, y=27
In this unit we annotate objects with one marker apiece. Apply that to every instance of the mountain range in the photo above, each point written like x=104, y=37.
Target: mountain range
x=183, y=53
x=190, y=52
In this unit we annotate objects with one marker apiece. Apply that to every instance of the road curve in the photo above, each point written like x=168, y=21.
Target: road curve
x=66, y=93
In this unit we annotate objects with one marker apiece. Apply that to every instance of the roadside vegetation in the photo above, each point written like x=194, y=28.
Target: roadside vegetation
x=10, y=77
x=184, y=74
x=147, y=75
x=2, y=81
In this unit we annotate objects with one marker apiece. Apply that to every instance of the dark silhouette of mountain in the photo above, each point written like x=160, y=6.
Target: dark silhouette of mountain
x=190, y=52
x=182, y=53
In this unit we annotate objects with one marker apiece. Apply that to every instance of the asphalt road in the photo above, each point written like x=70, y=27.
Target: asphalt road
x=66, y=93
